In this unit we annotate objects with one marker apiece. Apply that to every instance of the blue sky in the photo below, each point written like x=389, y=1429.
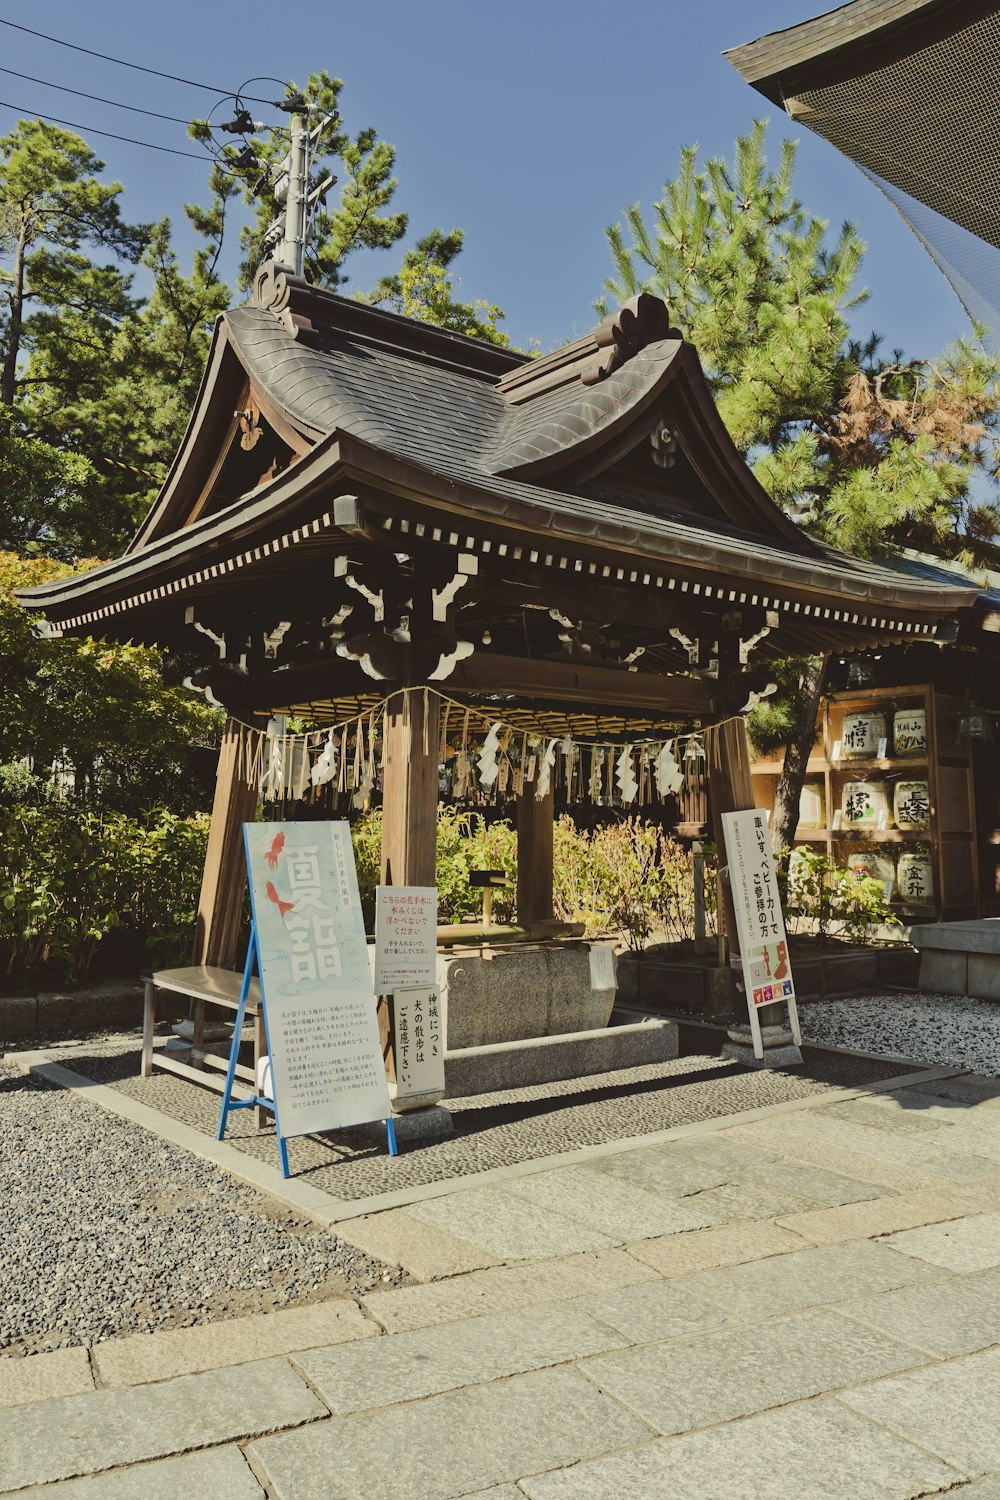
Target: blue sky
x=530, y=124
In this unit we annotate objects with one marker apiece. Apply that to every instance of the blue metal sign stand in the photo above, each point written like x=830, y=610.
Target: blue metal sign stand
x=228, y=1102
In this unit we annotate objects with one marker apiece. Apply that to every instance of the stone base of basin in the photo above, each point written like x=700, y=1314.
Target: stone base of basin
x=508, y=994
x=550, y=1059
x=959, y=958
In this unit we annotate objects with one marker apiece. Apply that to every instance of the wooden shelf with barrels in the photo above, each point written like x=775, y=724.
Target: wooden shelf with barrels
x=889, y=792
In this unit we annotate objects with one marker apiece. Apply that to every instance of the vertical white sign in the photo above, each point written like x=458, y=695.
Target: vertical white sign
x=326, y=1057
x=760, y=926
x=405, y=937
x=419, y=1043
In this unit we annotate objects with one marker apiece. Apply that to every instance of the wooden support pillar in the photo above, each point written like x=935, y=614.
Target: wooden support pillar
x=535, y=818
x=730, y=789
x=410, y=789
x=409, y=810
x=224, y=881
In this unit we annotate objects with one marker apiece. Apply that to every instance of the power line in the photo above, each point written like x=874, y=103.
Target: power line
x=121, y=62
x=97, y=98
x=110, y=134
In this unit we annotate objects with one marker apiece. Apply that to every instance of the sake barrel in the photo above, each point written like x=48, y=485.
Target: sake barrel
x=909, y=731
x=864, y=804
x=860, y=734
x=812, y=805
x=911, y=805
x=875, y=867
x=915, y=877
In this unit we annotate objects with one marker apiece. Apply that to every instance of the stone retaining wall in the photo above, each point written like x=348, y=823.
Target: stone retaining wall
x=57, y=1012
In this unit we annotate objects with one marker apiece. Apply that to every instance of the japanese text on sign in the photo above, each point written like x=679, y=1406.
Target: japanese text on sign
x=405, y=937
x=760, y=926
x=326, y=1058
x=419, y=1044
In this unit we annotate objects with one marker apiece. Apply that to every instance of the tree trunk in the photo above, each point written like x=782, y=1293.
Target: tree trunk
x=785, y=814
x=8, y=375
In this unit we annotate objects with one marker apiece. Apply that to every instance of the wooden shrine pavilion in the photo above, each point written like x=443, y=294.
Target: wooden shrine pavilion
x=365, y=505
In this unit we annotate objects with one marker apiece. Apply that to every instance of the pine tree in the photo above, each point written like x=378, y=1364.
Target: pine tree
x=424, y=288
x=869, y=453
x=362, y=167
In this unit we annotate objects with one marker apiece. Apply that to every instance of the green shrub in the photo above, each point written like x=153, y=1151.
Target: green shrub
x=69, y=877
x=823, y=897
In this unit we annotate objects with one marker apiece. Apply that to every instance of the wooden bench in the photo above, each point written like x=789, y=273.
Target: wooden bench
x=205, y=986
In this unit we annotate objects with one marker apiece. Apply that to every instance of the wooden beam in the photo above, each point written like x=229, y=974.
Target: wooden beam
x=409, y=810
x=224, y=880
x=535, y=818
x=410, y=789
x=730, y=789
x=571, y=682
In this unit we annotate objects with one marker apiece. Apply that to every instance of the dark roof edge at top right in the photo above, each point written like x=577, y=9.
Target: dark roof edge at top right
x=853, y=38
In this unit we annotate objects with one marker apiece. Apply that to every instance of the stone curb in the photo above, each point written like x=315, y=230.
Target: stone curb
x=328, y=1211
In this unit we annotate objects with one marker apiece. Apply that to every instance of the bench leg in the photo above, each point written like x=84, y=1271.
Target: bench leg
x=198, y=1033
x=148, y=1022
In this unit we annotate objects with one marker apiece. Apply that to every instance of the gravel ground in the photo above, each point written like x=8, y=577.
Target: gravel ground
x=494, y=1130
x=928, y=1028
x=106, y=1230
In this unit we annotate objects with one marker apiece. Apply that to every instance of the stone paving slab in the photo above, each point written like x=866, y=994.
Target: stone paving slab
x=944, y=1319
x=618, y=1209
x=78, y=1435
x=427, y=1361
x=732, y=1245
x=985, y=1489
x=449, y=1445
x=736, y=1372
x=822, y=1186
x=776, y=1136
x=926, y=1152
x=671, y=1169
x=949, y=1409
x=901, y=1113
x=425, y=1250
x=499, y=1492
x=185, y=1351
x=64, y=1372
x=973, y=1244
x=816, y=1451
x=736, y=1202
x=812, y=1277
x=979, y=1137
x=501, y=1287
x=968, y=1088
x=646, y=1314
x=979, y=1197
x=222, y=1474
x=807, y=1278
x=505, y=1226
x=878, y=1216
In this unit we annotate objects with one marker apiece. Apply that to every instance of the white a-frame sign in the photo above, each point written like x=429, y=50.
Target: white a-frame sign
x=760, y=926
x=308, y=940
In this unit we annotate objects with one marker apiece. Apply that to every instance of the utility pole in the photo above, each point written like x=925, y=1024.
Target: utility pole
x=291, y=249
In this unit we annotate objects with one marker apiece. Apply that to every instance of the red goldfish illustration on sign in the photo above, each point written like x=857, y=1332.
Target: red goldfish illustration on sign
x=282, y=906
x=271, y=857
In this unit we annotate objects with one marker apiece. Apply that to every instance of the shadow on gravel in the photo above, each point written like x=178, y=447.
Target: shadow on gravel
x=25, y=1083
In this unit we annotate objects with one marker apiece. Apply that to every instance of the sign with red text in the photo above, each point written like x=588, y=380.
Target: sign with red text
x=322, y=1026
x=760, y=925
x=405, y=937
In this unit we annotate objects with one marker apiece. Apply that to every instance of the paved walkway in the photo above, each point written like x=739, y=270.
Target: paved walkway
x=804, y=1304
